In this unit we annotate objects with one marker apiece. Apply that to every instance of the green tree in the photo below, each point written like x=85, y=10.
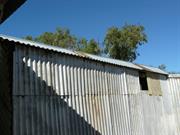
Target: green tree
x=29, y=38
x=122, y=43
x=63, y=38
x=88, y=46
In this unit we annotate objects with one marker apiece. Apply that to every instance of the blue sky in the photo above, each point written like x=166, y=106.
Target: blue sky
x=91, y=19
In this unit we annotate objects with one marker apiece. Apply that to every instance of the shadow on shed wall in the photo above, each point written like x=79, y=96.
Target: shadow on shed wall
x=45, y=114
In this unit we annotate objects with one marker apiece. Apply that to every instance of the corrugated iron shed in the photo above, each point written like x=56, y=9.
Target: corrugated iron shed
x=55, y=93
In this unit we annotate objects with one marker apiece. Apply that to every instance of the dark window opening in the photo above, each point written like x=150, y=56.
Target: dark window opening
x=143, y=81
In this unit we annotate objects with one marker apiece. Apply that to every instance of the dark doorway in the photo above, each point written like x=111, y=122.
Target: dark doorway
x=143, y=81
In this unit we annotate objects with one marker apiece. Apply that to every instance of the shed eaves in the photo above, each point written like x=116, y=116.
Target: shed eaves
x=153, y=69
x=174, y=75
x=66, y=51
x=82, y=55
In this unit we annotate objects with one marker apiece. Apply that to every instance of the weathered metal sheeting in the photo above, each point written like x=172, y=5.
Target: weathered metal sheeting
x=56, y=115
x=66, y=51
x=174, y=91
x=66, y=75
x=169, y=118
x=114, y=61
x=153, y=69
x=132, y=80
x=136, y=114
x=153, y=113
x=54, y=93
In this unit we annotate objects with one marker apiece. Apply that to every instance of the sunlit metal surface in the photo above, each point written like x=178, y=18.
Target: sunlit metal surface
x=153, y=69
x=66, y=51
x=59, y=94
x=55, y=93
x=174, y=87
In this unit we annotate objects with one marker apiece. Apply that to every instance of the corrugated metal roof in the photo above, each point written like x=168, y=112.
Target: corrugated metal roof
x=153, y=69
x=38, y=45
x=81, y=54
x=66, y=51
x=174, y=75
x=114, y=61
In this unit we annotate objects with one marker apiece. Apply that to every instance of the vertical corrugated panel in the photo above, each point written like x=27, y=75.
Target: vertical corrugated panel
x=118, y=100
x=135, y=103
x=136, y=114
x=59, y=94
x=157, y=112
x=150, y=115
x=132, y=78
x=153, y=115
x=169, y=118
x=174, y=88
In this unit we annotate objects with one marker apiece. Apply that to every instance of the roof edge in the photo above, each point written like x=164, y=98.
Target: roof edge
x=152, y=69
x=70, y=52
x=174, y=75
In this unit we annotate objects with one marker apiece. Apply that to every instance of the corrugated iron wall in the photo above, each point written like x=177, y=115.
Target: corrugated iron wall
x=57, y=94
x=174, y=91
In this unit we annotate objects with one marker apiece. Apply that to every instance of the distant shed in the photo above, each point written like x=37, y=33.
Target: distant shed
x=53, y=91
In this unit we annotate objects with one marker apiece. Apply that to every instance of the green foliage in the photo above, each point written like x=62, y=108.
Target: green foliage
x=63, y=38
x=89, y=47
x=29, y=38
x=122, y=43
